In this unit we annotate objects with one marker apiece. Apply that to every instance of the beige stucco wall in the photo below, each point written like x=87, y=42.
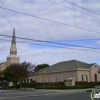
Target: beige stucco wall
x=3, y=66
x=83, y=72
x=93, y=71
x=12, y=60
x=76, y=74
x=57, y=74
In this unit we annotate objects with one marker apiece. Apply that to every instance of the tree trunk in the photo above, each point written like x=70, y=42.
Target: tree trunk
x=20, y=84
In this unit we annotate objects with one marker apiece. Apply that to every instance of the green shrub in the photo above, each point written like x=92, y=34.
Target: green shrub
x=87, y=83
x=64, y=87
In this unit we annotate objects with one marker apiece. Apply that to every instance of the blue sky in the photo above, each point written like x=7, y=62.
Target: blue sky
x=35, y=28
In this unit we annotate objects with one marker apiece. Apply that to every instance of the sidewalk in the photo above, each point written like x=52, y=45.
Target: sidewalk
x=62, y=91
x=69, y=91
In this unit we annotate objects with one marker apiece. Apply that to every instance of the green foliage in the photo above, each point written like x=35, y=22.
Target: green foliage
x=27, y=85
x=56, y=85
x=51, y=84
x=17, y=72
x=64, y=87
x=9, y=75
x=87, y=83
x=41, y=66
x=1, y=78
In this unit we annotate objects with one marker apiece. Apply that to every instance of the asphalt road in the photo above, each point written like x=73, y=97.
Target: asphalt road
x=36, y=95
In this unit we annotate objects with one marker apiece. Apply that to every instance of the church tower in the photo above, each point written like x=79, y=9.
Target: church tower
x=13, y=58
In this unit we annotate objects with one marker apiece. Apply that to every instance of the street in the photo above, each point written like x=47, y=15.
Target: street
x=36, y=95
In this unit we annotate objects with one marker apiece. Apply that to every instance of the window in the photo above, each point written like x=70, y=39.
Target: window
x=15, y=52
x=71, y=76
x=34, y=78
x=55, y=79
x=84, y=78
x=24, y=81
x=27, y=80
x=11, y=52
x=95, y=77
x=63, y=78
x=41, y=79
x=30, y=80
x=47, y=79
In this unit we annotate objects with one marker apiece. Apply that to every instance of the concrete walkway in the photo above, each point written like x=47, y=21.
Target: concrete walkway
x=70, y=90
x=62, y=91
x=58, y=91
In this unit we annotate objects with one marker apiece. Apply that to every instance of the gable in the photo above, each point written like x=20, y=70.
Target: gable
x=95, y=65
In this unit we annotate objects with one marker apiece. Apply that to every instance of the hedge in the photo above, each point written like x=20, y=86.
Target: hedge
x=58, y=85
x=64, y=87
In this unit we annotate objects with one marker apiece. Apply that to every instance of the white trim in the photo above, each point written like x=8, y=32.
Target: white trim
x=12, y=56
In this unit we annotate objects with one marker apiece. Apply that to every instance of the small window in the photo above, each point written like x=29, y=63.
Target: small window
x=95, y=77
x=27, y=80
x=24, y=81
x=63, y=78
x=55, y=79
x=82, y=77
x=41, y=79
x=15, y=52
x=86, y=78
x=47, y=79
x=31, y=80
x=34, y=79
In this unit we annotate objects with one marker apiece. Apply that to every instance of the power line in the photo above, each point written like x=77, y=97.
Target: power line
x=3, y=3
x=85, y=39
x=74, y=9
x=32, y=43
x=82, y=7
x=72, y=48
x=50, y=20
x=53, y=42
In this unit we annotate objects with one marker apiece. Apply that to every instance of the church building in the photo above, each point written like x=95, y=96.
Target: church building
x=12, y=58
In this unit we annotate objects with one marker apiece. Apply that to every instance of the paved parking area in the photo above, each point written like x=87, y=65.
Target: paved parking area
x=43, y=95
x=46, y=94
x=16, y=94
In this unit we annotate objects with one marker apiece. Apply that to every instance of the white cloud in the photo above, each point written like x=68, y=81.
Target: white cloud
x=31, y=27
x=98, y=42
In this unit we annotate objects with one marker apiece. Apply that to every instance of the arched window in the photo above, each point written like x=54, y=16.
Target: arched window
x=31, y=80
x=27, y=80
x=95, y=77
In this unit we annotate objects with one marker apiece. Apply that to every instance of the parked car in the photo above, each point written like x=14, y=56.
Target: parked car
x=4, y=84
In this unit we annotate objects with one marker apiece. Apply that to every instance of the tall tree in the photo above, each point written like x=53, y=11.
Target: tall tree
x=0, y=75
x=17, y=72
x=41, y=66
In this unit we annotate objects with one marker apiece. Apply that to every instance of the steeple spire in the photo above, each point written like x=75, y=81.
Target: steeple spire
x=13, y=58
x=13, y=50
x=13, y=37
